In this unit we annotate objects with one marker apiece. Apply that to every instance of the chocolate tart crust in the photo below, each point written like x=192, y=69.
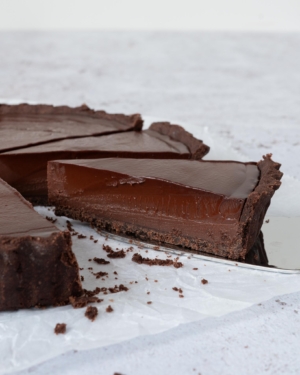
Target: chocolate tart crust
x=176, y=132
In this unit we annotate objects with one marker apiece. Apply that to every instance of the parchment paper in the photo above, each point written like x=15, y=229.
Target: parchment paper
x=27, y=336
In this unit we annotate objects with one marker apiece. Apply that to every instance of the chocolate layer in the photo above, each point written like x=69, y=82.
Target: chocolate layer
x=196, y=204
x=26, y=125
x=26, y=169
x=37, y=265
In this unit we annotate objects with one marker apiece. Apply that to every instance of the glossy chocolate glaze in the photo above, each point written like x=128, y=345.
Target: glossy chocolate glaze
x=26, y=169
x=228, y=178
x=25, y=125
x=17, y=218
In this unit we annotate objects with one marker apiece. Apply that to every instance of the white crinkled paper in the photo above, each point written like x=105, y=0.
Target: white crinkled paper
x=27, y=336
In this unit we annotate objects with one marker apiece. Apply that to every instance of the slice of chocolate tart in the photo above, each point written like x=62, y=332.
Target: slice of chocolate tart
x=215, y=207
x=25, y=125
x=26, y=169
x=37, y=265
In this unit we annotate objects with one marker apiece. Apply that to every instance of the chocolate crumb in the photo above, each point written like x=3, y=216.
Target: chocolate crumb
x=137, y=258
x=180, y=290
x=91, y=237
x=204, y=281
x=181, y=295
x=100, y=274
x=82, y=278
x=69, y=226
x=267, y=221
x=175, y=288
x=91, y=313
x=148, y=292
x=117, y=289
x=195, y=269
x=117, y=254
x=92, y=293
x=156, y=248
x=115, y=272
x=95, y=241
x=79, y=302
x=100, y=261
x=107, y=248
x=80, y=236
x=149, y=302
x=156, y=281
x=60, y=328
x=51, y=219
x=109, y=309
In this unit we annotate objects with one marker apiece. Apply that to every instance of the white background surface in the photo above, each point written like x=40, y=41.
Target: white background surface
x=250, y=15
x=245, y=88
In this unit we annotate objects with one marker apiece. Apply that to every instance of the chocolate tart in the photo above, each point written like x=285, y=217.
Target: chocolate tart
x=26, y=169
x=37, y=265
x=215, y=207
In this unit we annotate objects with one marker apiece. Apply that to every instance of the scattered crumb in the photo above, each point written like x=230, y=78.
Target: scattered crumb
x=100, y=261
x=109, y=309
x=111, y=300
x=95, y=241
x=91, y=237
x=246, y=347
x=81, y=269
x=82, y=278
x=267, y=221
x=136, y=282
x=146, y=278
x=176, y=289
x=156, y=281
x=117, y=254
x=195, y=269
x=148, y=292
x=130, y=249
x=60, y=328
x=51, y=219
x=79, y=302
x=156, y=248
x=69, y=226
x=181, y=295
x=80, y=236
x=115, y=272
x=107, y=248
x=137, y=258
x=100, y=274
x=92, y=293
x=204, y=281
x=296, y=311
x=120, y=288
x=149, y=302
x=91, y=313
x=280, y=303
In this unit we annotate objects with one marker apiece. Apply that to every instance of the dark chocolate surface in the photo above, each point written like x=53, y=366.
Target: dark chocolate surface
x=231, y=179
x=17, y=218
x=24, y=125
